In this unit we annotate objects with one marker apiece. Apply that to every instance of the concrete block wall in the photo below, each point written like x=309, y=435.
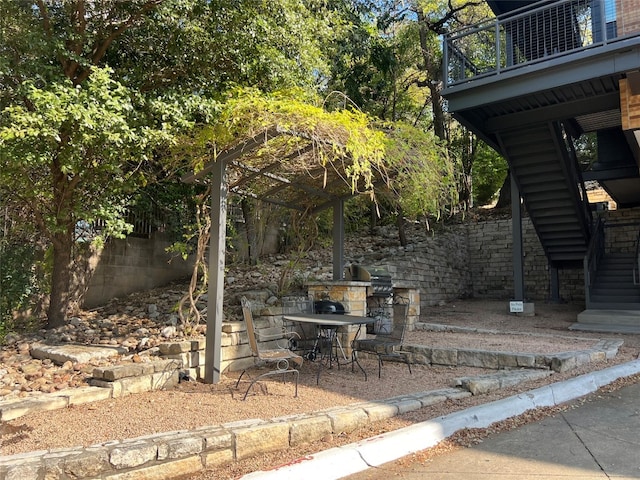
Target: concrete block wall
x=130, y=265
x=490, y=257
x=621, y=230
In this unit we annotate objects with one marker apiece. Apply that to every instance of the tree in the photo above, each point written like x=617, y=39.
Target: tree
x=72, y=154
x=73, y=146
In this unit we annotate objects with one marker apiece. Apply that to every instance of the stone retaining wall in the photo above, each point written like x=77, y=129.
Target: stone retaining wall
x=475, y=260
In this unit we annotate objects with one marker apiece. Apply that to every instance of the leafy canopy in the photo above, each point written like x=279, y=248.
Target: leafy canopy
x=84, y=136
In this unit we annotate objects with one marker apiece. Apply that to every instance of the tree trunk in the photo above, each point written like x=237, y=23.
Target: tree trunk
x=60, y=280
x=433, y=82
x=504, y=199
x=248, y=212
x=402, y=232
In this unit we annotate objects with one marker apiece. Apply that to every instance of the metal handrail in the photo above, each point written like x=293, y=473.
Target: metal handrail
x=576, y=172
x=636, y=267
x=528, y=35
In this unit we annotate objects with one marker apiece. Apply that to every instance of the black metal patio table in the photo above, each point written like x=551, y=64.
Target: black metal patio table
x=327, y=325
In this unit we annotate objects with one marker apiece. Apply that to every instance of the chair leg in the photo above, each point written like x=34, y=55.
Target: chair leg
x=240, y=378
x=294, y=371
x=354, y=359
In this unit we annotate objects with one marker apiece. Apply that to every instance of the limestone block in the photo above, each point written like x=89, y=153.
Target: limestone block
x=79, y=395
x=307, y=430
x=218, y=458
x=165, y=380
x=231, y=327
x=525, y=360
x=407, y=404
x=183, y=359
x=347, y=420
x=165, y=365
x=121, y=371
x=132, y=454
x=114, y=387
x=131, y=385
x=174, y=348
x=12, y=410
x=180, y=446
x=563, y=362
x=479, y=386
x=431, y=398
x=90, y=463
x=173, y=469
x=258, y=439
x=380, y=411
x=234, y=365
x=22, y=470
x=236, y=351
x=478, y=358
x=217, y=439
x=444, y=356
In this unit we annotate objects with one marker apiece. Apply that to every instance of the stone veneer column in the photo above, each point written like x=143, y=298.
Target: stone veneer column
x=402, y=294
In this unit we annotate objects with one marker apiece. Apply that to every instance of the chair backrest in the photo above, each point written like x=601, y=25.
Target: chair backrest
x=248, y=319
x=400, y=313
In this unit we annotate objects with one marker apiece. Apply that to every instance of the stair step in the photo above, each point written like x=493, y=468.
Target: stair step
x=599, y=315
x=568, y=210
x=616, y=299
x=604, y=328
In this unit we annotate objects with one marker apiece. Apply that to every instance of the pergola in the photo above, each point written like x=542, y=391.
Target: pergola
x=295, y=170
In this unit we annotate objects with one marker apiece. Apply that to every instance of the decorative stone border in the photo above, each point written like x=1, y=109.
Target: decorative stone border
x=170, y=454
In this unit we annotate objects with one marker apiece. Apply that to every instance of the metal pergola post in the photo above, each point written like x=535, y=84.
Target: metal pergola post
x=338, y=239
x=518, y=252
x=215, y=293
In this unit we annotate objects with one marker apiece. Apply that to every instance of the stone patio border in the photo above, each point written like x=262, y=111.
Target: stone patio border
x=170, y=454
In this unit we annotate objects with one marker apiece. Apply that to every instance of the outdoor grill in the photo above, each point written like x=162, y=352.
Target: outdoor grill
x=379, y=278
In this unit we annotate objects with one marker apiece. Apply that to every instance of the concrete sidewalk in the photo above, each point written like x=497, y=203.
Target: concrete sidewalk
x=596, y=440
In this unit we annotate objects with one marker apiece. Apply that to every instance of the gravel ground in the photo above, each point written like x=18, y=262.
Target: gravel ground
x=193, y=404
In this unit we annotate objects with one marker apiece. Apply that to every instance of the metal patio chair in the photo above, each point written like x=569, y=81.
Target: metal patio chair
x=387, y=346
x=280, y=358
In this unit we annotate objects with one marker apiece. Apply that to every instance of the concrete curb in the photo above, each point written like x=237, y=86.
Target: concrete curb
x=339, y=462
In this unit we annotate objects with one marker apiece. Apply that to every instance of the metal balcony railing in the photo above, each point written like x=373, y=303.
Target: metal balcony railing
x=534, y=34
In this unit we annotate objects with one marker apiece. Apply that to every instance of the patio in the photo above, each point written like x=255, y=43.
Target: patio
x=194, y=405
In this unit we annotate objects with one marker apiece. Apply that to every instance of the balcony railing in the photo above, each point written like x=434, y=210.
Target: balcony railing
x=530, y=35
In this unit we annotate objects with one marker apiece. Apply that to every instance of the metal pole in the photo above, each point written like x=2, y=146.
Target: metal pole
x=516, y=226
x=338, y=239
x=215, y=294
x=554, y=285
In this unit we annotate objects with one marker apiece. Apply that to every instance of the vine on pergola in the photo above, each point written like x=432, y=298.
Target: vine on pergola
x=284, y=140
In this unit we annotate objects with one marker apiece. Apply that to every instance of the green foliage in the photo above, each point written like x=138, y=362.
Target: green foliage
x=423, y=176
x=191, y=45
x=18, y=281
x=489, y=171
x=338, y=134
x=74, y=153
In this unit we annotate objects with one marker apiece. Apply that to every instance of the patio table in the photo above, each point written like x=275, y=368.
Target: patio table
x=327, y=325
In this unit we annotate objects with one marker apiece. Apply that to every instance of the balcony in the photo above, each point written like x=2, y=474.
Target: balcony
x=536, y=36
